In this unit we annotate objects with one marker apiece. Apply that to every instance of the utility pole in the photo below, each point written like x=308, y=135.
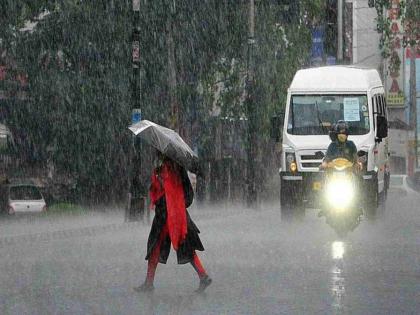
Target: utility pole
x=136, y=55
x=412, y=34
x=413, y=109
x=134, y=168
x=174, y=119
x=340, y=30
x=251, y=112
x=174, y=123
x=413, y=102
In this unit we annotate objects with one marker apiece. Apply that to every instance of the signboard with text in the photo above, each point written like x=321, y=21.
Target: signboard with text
x=317, y=50
x=395, y=62
x=136, y=115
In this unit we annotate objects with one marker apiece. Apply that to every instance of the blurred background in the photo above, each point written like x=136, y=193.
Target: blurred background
x=75, y=74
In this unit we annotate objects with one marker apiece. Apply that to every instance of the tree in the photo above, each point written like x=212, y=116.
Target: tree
x=78, y=63
x=78, y=78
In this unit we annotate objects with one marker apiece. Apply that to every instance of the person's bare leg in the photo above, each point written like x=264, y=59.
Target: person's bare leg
x=152, y=265
x=205, y=280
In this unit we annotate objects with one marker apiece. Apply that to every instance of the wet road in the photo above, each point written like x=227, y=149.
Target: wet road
x=259, y=265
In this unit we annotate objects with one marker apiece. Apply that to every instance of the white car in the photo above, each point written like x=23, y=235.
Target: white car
x=22, y=198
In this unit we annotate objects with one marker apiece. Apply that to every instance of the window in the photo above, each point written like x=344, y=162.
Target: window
x=24, y=193
x=384, y=109
x=374, y=111
x=315, y=114
x=379, y=107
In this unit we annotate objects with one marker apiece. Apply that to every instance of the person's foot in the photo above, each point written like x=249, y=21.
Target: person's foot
x=204, y=283
x=145, y=287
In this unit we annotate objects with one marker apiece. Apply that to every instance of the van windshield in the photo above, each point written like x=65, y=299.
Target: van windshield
x=315, y=114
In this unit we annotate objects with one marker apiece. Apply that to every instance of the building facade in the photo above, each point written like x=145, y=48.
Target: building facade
x=394, y=71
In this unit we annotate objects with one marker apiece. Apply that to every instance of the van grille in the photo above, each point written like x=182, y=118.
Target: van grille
x=311, y=165
x=310, y=160
x=319, y=155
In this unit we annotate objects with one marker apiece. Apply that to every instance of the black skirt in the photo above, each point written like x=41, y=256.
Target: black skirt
x=186, y=249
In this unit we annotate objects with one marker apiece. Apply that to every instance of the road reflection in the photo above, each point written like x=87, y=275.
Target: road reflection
x=338, y=288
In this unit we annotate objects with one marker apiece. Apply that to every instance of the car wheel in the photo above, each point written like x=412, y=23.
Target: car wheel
x=372, y=201
x=384, y=194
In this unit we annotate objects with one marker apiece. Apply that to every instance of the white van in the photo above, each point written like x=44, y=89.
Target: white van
x=317, y=98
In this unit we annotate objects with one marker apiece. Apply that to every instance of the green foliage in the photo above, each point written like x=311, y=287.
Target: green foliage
x=384, y=26
x=281, y=48
x=78, y=63
x=65, y=209
x=79, y=108
x=412, y=23
x=409, y=13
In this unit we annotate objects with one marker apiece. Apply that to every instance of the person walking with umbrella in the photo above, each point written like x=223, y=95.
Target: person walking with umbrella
x=171, y=194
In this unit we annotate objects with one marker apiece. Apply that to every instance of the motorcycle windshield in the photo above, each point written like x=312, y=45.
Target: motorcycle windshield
x=340, y=164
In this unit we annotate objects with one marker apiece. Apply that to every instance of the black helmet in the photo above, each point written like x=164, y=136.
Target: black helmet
x=341, y=127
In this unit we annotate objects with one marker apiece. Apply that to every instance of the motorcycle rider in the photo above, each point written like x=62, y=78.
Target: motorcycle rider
x=340, y=145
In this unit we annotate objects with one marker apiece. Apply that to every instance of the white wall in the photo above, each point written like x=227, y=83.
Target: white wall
x=365, y=37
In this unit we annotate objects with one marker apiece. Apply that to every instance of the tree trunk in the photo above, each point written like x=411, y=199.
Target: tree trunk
x=251, y=111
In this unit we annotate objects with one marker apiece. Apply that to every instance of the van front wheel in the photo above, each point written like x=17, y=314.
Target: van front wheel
x=372, y=202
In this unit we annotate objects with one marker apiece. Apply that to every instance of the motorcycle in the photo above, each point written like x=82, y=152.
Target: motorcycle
x=340, y=199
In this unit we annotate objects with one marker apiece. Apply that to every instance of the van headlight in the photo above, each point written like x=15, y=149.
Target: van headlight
x=340, y=193
x=291, y=164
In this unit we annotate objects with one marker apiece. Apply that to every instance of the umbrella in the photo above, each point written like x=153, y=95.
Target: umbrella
x=168, y=142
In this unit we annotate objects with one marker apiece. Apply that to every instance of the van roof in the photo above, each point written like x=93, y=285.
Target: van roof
x=335, y=78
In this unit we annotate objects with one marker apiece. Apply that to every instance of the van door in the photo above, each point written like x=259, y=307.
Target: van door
x=386, y=147
x=381, y=148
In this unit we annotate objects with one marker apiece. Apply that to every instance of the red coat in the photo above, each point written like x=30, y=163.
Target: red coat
x=171, y=193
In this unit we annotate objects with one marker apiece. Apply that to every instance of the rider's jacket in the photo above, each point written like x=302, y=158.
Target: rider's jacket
x=337, y=149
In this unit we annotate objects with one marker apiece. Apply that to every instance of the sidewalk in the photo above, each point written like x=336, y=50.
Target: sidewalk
x=412, y=184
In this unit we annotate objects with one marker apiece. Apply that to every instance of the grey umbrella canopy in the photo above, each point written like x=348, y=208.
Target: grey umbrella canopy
x=168, y=142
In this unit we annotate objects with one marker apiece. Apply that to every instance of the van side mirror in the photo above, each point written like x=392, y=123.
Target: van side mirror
x=381, y=127
x=276, y=126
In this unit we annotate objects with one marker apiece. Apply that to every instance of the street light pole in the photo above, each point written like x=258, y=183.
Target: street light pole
x=340, y=31
x=413, y=102
x=136, y=54
x=250, y=107
x=412, y=30
x=133, y=170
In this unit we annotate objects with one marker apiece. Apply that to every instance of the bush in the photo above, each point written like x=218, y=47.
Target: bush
x=66, y=208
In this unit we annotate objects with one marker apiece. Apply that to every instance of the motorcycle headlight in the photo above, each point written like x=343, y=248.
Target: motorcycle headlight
x=340, y=193
x=291, y=164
